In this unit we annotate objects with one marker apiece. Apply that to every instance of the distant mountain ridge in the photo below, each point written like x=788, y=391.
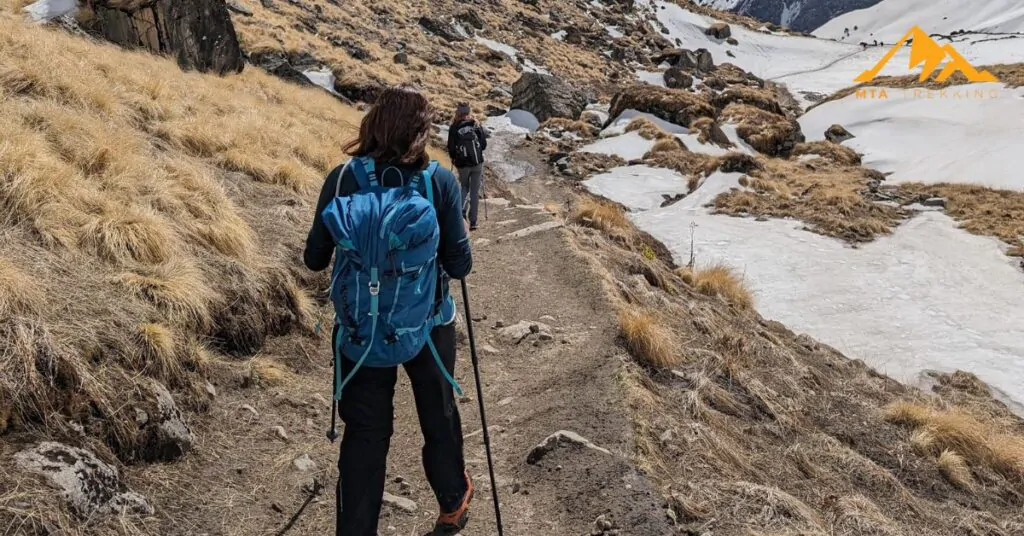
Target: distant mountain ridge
x=802, y=15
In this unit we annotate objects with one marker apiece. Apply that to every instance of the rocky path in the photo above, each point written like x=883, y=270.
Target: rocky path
x=546, y=340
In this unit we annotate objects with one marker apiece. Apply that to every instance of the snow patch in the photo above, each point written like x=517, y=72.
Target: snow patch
x=890, y=20
x=654, y=78
x=911, y=301
x=559, y=35
x=638, y=187
x=512, y=52
x=45, y=10
x=523, y=119
x=323, y=78
x=931, y=140
x=628, y=146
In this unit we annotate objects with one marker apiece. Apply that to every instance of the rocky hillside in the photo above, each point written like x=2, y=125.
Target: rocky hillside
x=158, y=365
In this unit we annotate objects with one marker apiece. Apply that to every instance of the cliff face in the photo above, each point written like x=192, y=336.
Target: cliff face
x=198, y=33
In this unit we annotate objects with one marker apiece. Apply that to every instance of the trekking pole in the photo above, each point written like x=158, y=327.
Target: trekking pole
x=480, y=397
x=332, y=434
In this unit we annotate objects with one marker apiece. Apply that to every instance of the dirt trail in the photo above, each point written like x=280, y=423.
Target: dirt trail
x=243, y=479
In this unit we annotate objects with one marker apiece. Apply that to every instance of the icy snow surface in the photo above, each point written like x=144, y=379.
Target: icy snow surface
x=646, y=186
x=928, y=297
x=967, y=140
x=504, y=133
x=44, y=10
x=323, y=78
x=628, y=146
x=512, y=52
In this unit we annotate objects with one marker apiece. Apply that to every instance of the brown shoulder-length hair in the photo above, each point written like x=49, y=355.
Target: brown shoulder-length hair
x=397, y=129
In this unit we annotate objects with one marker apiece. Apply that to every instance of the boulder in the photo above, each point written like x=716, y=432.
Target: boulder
x=592, y=118
x=400, y=503
x=516, y=333
x=199, y=33
x=93, y=488
x=546, y=96
x=689, y=60
x=838, y=134
x=471, y=18
x=558, y=439
x=719, y=30
x=442, y=29
x=677, y=78
x=357, y=89
x=673, y=105
x=164, y=435
x=280, y=65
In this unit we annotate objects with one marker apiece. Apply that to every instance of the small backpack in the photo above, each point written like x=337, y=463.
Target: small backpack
x=467, y=145
x=385, y=273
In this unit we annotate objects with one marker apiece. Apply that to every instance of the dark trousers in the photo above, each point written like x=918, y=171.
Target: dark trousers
x=367, y=409
x=470, y=179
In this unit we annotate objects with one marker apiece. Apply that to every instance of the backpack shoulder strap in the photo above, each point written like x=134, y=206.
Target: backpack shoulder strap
x=365, y=171
x=425, y=179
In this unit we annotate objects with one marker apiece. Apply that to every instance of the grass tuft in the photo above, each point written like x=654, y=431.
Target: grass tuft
x=719, y=280
x=603, y=216
x=649, y=341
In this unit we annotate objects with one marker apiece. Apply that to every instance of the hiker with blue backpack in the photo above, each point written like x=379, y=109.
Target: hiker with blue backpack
x=467, y=141
x=393, y=221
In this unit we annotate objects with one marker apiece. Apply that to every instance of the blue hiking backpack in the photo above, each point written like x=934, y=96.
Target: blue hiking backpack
x=385, y=275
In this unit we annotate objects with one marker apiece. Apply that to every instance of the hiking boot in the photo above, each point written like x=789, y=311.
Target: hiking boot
x=472, y=227
x=453, y=522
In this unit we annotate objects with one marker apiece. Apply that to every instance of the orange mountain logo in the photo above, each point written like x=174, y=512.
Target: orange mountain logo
x=928, y=53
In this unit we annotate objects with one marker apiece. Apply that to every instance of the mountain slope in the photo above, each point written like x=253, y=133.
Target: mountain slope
x=889, y=20
x=801, y=15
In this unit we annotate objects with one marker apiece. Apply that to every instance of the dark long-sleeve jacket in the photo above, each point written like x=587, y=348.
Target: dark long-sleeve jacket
x=453, y=137
x=454, y=255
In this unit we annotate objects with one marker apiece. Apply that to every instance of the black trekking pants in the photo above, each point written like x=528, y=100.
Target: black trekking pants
x=367, y=409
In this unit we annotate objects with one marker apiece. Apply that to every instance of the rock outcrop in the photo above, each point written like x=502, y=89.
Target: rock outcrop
x=719, y=30
x=673, y=105
x=546, y=96
x=691, y=60
x=93, y=488
x=164, y=434
x=838, y=134
x=198, y=33
x=676, y=78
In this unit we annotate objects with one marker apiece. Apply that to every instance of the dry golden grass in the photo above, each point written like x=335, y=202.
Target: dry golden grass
x=980, y=443
x=719, y=280
x=666, y=145
x=673, y=105
x=827, y=196
x=956, y=470
x=142, y=211
x=647, y=129
x=762, y=99
x=831, y=151
x=769, y=132
x=650, y=341
x=604, y=216
x=980, y=210
x=580, y=128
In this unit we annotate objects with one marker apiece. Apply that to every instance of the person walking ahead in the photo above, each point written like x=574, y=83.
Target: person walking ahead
x=391, y=153
x=467, y=142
